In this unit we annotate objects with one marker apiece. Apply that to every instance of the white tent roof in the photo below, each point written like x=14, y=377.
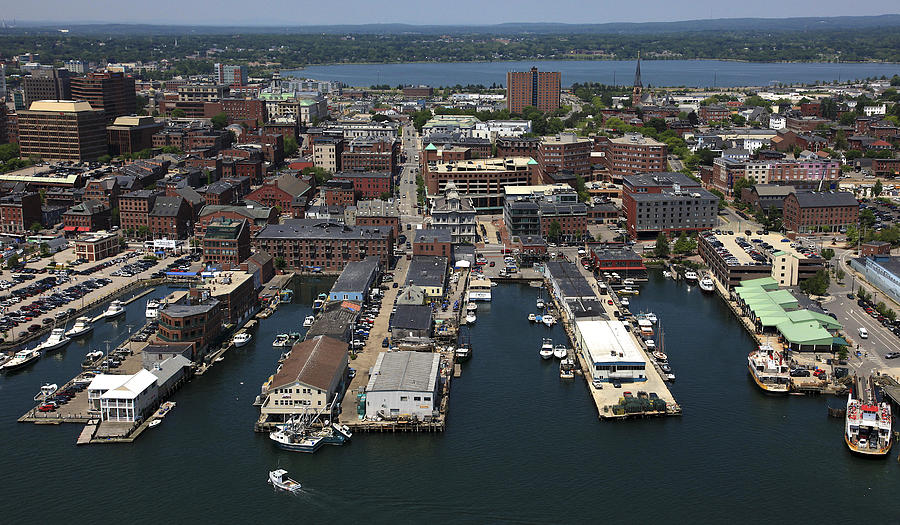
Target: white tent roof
x=107, y=381
x=132, y=387
x=463, y=264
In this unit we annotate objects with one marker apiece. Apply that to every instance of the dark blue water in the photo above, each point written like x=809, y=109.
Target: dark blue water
x=693, y=73
x=520, y=445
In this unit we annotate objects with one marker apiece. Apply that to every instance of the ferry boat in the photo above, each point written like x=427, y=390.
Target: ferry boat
x=769, y=370
x=308, y=321
x=22, y=359
x=152, y=309
x=279, y=480
x=548, y=320
x=547, y=349
x=241, y=338
x=56, y=340
x=690, y=276
x=560, y=352
x=47, y=390
x=867, y=428
x=82, y=326
x=319, y=303
x=115, y=310
x=480, y=289
x=707, y=284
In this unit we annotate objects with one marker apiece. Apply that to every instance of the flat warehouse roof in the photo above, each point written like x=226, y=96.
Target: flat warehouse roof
x=608, y=342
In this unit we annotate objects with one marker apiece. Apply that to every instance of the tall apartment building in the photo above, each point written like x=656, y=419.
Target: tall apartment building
x=46, y=83
x=230, y=75
x=632, y=154
x=565, y=152
x=62, y=130
x=113, y=92
x=532, y=88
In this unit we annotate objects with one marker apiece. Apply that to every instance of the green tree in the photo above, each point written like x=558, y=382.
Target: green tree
x=661, y=249
x=104, y=159
x=840, y=274
x=45, y=249
x=554, y=231
x=739, y=185
x=827, y=254
x=176, y=113
x=219, y=121
x=35, y=227
x=684, y=245
x=385, y=195
x=867, y=218
x=877, y=188
x=280, y=263
x=817, y=284
x=12, y=261
x=290, y=146
x=581, y=188
x=143, y=231
x=321, y=175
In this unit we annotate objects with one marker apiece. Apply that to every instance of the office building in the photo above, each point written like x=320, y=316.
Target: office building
x=230, y=75
x=109, y=91
x=46, y=83
x=62, y=130
x=532, y=88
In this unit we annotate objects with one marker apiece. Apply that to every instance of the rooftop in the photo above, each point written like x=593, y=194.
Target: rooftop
x=405, y=371
x=763, y=253
x=412, y=317
x=663, y=179
x=609, y=342
x=569, y=280
x=224, y=229
x=427, y=270
x=825, y=199
x=507, y=164
x=432, y=235
x=313, y=362
x=66, y=106
x=321, y=229
x=357, y=275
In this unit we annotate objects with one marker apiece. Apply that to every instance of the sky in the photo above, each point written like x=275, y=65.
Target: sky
x=307, y=12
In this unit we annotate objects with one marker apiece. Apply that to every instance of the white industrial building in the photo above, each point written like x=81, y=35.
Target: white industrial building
x=611, y=351
x=403, y=385
x=123, y=397
x=491, y=129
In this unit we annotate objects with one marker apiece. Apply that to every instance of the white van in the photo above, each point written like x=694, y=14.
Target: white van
x=863, y=333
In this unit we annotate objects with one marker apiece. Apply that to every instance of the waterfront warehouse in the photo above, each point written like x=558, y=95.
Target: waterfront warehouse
x=403, y=385
x=610, y=351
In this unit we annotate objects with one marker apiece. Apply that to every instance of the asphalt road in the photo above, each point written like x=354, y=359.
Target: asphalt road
x=407, y=186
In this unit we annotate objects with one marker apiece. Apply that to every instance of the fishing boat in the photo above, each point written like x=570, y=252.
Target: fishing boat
x=867, y=427
x=286, y=295
x=769, y=370
x=280, y=480
x=707, y=284
x=56, y=340
x=532, y=318
x=547, y=349
x=82, y=326
x=567, y=369
x=282, y=341
x=690, y=276
x=47, y=390
x=470, y=319
x=297, y=436
x=115, y=310
x=22, y=359
x=320, y=302
x=152, y=309
x=548, y=320
x=560, y=352
x=308, y=321
x=241, y=338
x=462, y=353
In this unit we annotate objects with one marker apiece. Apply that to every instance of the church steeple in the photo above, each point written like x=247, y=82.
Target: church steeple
x=638, y=90
x=637, y=73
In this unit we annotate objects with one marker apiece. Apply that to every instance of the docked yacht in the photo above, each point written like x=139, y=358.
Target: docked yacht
x=480, y=289
x=690, y=276
x=90, y=358
x=624, y=302
x=471, y=307
x=82, y=326
x=539, y=303
x=241, y=338
x=532, y=318
x=769, y=370
x=282, y=341
x=280, y=480
x=308, y=321
x=47, y=390
x=152, y=310
x=319, y=303
x=547, y=349
x=867, y=428
x=22, y=359
x=548, y=320
x=560, y=352
x=470, y=319
x=707, y=284
x=116, y=308
x=462, y=353
x=651, y=317
x=56, y=340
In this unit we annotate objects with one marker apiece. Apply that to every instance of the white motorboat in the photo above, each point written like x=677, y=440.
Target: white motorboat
x=241, y=338
x=471, y=307
x=548, y=320
x=651, y=344
x=319, y=303
x=280, y=480
x=651, y=317
x=47, y=390
x=57, y=339
x=470, y=319
x=560, y=352
x=539, y=303
x=308, y=321
x=659, y=355
x=115, y=310
x=547, y=349
x=690, y=276
x=82, y=326
x=152, y=310
x=624, y=301
x=667, y=274
x=532, y=318
x=283, y=341
x=21, y=359
x=90, y=358
x=462, y=353
x=155, y=423
x=707, y=284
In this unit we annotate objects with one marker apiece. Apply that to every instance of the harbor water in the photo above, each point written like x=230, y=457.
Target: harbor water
x=520, y=445
x=691, y=73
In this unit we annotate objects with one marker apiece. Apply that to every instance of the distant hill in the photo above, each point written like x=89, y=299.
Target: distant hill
x=720, y=24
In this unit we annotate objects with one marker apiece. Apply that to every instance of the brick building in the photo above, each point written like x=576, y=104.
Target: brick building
x=112, y=92
x=170, y=218
x=807, y=211
x=226, y=243
x=518, y=146
x=368, y=184
x=257, y=217
x=87, y=216
x=669, y=202
x=306, y=243
x=539, y=89
x=135, y=207
x=18, y=211
x=238, y=110
x=378, y=213
x=96, y=247
x=131, y=134
x=565, y=152
x=62, y=130
x=105, y=190
x=338, y=192
x=632, y=154
x=279, y=191
x=482, y=180
x=572, y=219
x=191, y=316
x=371, y=154
x=432, y=241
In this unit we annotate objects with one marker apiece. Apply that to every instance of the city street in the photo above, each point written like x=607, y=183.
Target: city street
x=407, y=186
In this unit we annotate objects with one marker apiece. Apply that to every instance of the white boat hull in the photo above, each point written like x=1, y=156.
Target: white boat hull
x=78, y=333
